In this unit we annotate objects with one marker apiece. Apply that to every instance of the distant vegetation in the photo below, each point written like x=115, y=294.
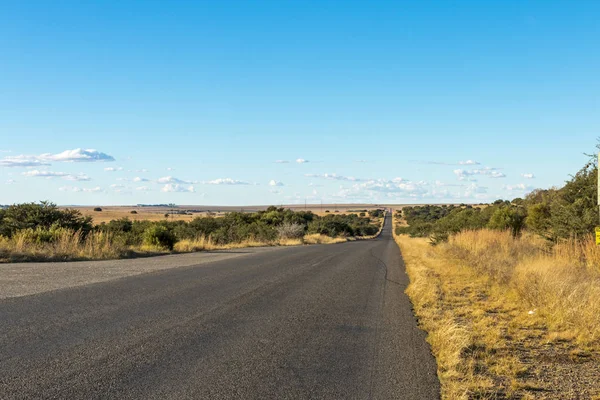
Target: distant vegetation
x=554, y=214
x=42, y=230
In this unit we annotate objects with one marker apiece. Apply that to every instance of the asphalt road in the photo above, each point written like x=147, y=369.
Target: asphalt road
x=310, y=322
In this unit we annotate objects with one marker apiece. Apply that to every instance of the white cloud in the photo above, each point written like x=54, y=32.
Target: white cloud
x=467, y=162
x=442, y=184
x=143, y=189
x=77, y=155
x=141, y=170
x=226, y=181
x=520, y=187
x=78, y=177
x=10, y=181
x=113, y=169
x=273, y=182
x=51, y=174
x=117, y=186
x=528, y=176
x=334, y=177
x=174, y=188
x=138, y=179
x=275, y=191
x=314, y=185
x=463, y=174
x=21, y=161
x=44, y=174
x=170, y=179
x=301, y=161
x=281, y=161
x=78, y=189
x=170, y=169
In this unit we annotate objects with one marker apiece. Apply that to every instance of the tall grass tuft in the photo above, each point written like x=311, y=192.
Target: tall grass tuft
x=560, y=282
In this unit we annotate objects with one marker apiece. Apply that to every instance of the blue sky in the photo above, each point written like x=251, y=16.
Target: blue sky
x=385, y=101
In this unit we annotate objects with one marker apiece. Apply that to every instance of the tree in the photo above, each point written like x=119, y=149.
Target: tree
x=509, y=217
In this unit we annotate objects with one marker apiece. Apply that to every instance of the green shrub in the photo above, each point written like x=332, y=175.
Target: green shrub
x=159, y=236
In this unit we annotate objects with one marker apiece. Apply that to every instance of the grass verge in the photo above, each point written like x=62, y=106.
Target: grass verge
x=508, y=318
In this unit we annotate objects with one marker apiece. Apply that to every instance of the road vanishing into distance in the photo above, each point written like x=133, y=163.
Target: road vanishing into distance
x=307, y=322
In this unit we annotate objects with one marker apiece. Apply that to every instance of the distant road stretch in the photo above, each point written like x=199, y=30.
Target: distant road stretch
x=309, y=322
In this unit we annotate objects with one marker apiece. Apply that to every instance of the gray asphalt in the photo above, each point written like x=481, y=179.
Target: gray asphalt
x=309, y=322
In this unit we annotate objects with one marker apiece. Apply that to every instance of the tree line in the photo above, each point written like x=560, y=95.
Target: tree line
x=555, y=213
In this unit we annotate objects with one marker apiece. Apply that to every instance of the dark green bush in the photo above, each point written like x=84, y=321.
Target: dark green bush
x=159, y=236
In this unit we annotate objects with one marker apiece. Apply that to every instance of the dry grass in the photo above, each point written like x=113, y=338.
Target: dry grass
x=322, y=239
x=68, y=246
x=494, y=307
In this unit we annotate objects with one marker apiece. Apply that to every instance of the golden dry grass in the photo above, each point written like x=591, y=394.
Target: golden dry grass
x=69, y=246
x=322, y=239
x=143, y=214
x=491, y=304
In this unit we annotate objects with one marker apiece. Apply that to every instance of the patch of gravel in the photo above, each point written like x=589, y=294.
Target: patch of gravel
x=23, y=279
x=560, y=372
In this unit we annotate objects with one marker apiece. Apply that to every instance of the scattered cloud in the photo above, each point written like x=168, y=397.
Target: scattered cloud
x=176, y=188
x=143, y=189
x=528, y=176
x=281, y=161
x=520, y=187
x=467, y=162
x=314, y=185
x=51, y=174
x=301, y=161
x=334, y=177
x=21, y=161
x=139, y=179
x=141, y=170
x=170, y=169
x=170, y=179
x=113, y=169
x=44, y=174
x=76, y=155
x=275, y=191
x=226, y=181
x=443, y=184
x=78, y=177
x=10, y=181
x=464, y=174
x=81, y=190
x=273, y=182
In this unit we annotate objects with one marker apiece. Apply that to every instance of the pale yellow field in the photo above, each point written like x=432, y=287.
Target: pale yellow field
x=151, y=214
x=110, y=213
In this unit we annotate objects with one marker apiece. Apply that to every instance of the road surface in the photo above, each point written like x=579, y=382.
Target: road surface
x=309, y=322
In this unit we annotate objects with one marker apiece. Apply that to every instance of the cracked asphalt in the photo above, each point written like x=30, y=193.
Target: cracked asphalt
x=308, y=322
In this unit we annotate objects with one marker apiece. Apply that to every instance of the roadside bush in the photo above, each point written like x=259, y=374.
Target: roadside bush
x=290, y=231
x=97, y=209
x=43, y=215
x=159, y=236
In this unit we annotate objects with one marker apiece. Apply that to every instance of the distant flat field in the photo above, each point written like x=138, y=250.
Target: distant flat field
x=150, y=213
x=109, y=213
